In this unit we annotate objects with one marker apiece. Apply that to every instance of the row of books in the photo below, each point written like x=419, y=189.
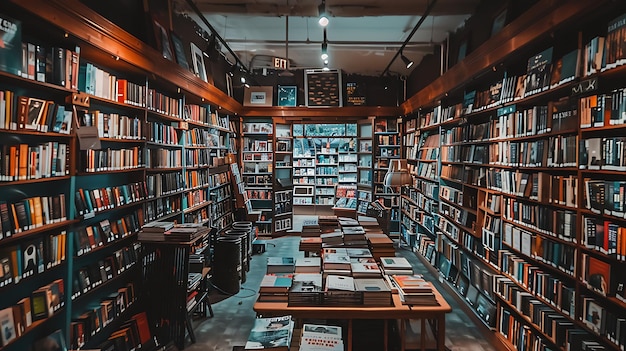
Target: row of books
x=100, y=199
x=163, y=104
x=55, y=65
x=193, y=158
x=602, y=153
x=604, y=321
x=168, y=158
x=598, y=276
x=604, y=236
x=106, y=231
x=95, y=81
x=31, y=113
x=30, y=213
x=162, y=206
x=41, y=304
x=553, y=222
x=540, y=283
x=88, y=324
x=32, y=257
x=166, y=183
x=162, y=133
x=557, y=151
x=109, y=159
x=203, y=177
x=203, y=137
x=96, y=273
x=113, y=125
x=33, y=161
x=204, y=115
x=605, y=197
x=555, y=189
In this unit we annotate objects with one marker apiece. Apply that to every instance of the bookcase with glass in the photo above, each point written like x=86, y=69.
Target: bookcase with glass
x=386, y=147
x=283, y=180
x=364, y=165
x=324, y=155
x=257, y=163
x=531, y=196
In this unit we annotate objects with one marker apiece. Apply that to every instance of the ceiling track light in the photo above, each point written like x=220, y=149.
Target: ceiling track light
x=408, y=63
x=324, y=55
x=323, y=16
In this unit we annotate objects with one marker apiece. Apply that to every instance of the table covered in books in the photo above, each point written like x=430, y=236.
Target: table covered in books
x=436, y=315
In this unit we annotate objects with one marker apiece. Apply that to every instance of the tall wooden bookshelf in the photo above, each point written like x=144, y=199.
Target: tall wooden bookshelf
x=161, y=157
x=529, y=180
x=386, y=148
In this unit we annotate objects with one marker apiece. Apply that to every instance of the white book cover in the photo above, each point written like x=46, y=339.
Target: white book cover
x=395, y=263
x=338, y=282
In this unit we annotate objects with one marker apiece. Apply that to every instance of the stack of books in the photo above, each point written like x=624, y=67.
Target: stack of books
x=186, y=232
x=374, y=292
x=333, y=238
x=354, y=236
x=273, y=333
x=154, y=231
x=311, y=244
x=310, y=230
x=348, y=222
x=317, y=337
x=396, y=265
x=327, y=223
x=380, y=245
x=414, y=290
x=308, y=265
x=336, y=261
x=280, y=265
x=365, y=270
x=306, y=290
x=339, y=291
x=275, y=287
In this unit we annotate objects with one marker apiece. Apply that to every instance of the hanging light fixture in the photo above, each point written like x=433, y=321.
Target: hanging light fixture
x=323, y=20
x=406, y=61
x=324, y=47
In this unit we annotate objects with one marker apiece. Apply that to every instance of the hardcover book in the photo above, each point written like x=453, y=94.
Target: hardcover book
x=10, y=45
x=538, y=72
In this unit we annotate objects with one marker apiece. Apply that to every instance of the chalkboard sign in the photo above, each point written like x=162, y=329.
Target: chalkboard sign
x=323, y=88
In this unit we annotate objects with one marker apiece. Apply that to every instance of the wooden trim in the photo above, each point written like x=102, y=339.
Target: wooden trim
x=538, y=21
x=323, y=112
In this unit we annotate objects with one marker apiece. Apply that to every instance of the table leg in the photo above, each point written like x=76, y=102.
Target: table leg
x=441, y=332
x=386, y=334
x=402, y=335
x=349, y=334
x=423, y=334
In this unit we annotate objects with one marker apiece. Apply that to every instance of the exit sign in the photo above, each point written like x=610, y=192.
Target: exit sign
x=280, y=63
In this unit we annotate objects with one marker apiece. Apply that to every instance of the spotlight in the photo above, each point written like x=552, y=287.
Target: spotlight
x=243, y=79
x=325, y=68
x=325, y=47
x=406, y=61
x=323, y=21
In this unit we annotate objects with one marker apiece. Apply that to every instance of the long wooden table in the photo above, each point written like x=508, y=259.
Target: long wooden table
x=435, y=314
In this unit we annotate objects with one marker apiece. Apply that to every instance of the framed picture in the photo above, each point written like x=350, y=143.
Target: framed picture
x=229, y=85
x=287, y=95
x=179, y=51
x=163, y=40
x=498, y=22
x=197, y=57
x=258, y=96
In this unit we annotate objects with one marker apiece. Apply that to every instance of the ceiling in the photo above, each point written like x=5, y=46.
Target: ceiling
x=363, y=35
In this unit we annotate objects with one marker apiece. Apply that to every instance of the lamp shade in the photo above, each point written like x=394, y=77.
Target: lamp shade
x=398, y=174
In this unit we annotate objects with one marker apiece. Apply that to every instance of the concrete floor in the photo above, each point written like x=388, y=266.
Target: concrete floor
x=234, y=316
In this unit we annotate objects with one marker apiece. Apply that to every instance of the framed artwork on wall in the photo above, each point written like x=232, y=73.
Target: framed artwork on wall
x=287, y=95
x=179, y=51
x=163, y=40
x=197, y=57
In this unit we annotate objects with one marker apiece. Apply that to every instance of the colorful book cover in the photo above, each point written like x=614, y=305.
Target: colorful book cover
x=10, y=45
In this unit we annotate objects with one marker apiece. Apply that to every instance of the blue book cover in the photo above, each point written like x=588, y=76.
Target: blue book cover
x=10, y=45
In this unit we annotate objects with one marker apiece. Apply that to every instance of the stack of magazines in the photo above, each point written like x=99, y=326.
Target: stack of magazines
x=321, y=338
x=273, y=333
